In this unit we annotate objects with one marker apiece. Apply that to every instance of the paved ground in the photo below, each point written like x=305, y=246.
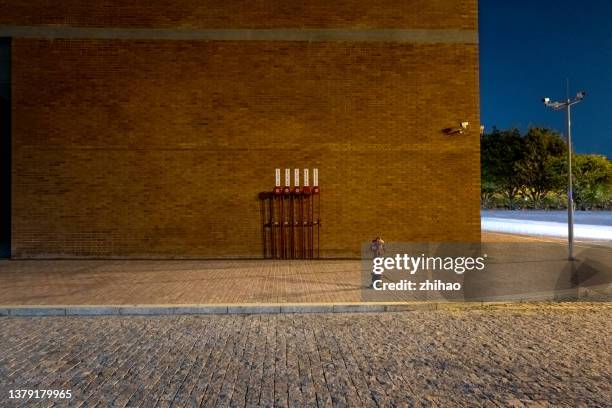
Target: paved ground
x=146, y=282
x=522, y=355
x=178, y=282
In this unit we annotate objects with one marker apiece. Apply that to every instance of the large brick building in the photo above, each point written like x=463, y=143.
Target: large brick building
x=148, y=130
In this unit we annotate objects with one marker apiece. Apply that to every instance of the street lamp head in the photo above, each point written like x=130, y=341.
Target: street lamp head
x=546, y=101
x=580, y=95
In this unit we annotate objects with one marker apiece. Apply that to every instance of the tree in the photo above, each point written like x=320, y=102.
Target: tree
x=537, y=167
x=500, y=150
x=488, y=189
x=592, y=180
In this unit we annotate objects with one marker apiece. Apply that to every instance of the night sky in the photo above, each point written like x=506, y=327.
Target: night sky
x=528, y=49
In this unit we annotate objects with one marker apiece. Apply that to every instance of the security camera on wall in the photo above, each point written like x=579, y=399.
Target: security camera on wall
x=458, y=130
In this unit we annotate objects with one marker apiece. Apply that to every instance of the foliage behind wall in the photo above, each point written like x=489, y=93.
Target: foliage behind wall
x=521, y=171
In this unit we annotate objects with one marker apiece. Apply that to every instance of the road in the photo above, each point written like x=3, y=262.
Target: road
x=518, y=355
x=589, y=225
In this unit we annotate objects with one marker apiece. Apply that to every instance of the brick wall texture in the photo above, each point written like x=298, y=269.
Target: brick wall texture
x=150, y=148
x=243, y=13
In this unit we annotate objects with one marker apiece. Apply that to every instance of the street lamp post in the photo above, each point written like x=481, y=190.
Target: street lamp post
x=567, y=105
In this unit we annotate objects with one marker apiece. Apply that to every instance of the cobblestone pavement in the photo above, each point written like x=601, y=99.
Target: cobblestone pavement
x=549, y=355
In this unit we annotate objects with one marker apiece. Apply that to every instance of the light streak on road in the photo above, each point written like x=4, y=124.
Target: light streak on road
x=545, y=228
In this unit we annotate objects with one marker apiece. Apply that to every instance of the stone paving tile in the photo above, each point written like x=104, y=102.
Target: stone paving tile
x=531, y=356
x=129, y=282
x=148, y=282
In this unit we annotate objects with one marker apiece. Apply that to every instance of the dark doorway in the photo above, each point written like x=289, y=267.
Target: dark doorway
x=5, y=147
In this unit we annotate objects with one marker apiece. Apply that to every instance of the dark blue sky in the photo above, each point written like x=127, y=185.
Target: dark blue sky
x=527, y=50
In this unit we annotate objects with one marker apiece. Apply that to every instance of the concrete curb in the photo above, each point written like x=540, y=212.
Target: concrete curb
x=210, y=309
x=37, y=311
x=91, y=311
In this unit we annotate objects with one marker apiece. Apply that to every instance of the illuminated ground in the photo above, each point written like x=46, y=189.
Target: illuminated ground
x=145, y=282
x=518, y=356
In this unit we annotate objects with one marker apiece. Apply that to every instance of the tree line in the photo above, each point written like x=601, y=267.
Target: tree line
x=529, y=170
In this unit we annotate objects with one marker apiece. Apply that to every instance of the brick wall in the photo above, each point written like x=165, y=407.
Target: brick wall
x=159, y=148
x=243, y=13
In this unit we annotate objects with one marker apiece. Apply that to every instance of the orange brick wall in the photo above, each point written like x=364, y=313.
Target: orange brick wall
x=243, y=13
x=159, y=148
